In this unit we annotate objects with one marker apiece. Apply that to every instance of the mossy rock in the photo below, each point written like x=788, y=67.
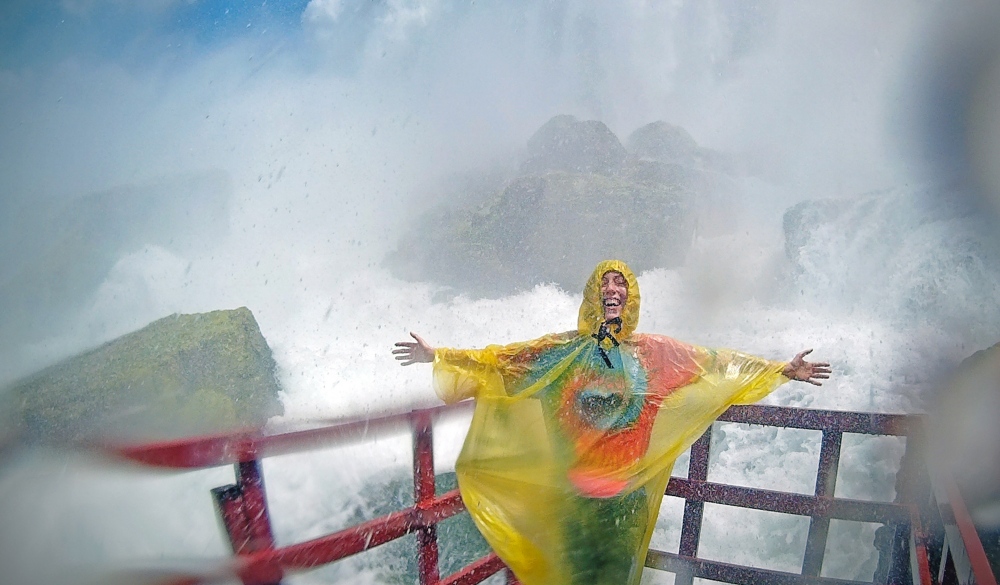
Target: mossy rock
x=567, y=144
x=550, y=228
x=664, y=142
x=178, y=376
x=579, y=197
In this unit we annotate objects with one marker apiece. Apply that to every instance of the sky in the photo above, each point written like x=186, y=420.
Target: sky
x=741, y=76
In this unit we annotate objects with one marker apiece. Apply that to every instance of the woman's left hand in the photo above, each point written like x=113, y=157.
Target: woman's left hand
x=803, y=371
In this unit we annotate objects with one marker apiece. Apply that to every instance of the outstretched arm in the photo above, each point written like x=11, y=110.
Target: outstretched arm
x=409, y=352
x=803, y=371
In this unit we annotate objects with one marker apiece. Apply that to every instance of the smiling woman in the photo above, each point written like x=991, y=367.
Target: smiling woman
x=575, y=434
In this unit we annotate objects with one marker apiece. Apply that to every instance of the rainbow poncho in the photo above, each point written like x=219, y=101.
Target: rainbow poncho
x=574, y=437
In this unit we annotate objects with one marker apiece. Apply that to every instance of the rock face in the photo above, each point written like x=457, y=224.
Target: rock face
x=567, y=144
x=180, y=375
x=580, y=197
x=664, y=142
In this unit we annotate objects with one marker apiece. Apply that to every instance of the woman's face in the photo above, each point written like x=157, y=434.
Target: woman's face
x=614, y=293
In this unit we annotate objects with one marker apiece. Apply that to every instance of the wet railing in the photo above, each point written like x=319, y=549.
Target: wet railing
x=927, y=537
x=244, y=513
x=821, y=507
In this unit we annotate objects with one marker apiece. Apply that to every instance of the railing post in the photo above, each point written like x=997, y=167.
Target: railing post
x=694, y=509
x=423, y=493
x=243, y=510
x=826, y=483
x=511, y=578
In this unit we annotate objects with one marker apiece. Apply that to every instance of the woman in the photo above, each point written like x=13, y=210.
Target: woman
x=575, y=434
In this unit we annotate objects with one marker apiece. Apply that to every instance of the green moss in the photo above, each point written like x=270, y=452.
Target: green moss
x=180, y=375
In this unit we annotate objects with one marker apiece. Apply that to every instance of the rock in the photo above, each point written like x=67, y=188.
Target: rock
x=180, y=375
x=667, y=143
x=567, y=144
x=663, y=142
x=551, y=228
x=578, y=198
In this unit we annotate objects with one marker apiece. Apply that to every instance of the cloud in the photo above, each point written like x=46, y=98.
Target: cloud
x=403, y=15
x=322, y=12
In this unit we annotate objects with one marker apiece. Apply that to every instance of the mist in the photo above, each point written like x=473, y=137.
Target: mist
x=333, y=127
x=270, y=156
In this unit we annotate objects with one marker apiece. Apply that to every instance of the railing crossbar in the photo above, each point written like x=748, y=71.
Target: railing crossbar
x=786, y=502
x=865, y=423
x=737, y=574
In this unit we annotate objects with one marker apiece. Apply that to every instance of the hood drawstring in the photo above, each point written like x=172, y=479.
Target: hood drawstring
x=603, y=333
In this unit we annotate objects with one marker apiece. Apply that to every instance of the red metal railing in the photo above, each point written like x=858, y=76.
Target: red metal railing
x=821, y=507
x=963, y=559
x=243, y=506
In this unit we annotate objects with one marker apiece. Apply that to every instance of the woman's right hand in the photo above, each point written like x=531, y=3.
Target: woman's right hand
x=409, y=352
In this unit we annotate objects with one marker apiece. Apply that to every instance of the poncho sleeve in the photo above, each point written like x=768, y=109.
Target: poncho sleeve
x=464, y=373
x=741, y=378
x=697, y=385
x=491, y=371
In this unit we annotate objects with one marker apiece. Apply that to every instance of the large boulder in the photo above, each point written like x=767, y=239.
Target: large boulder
x=664, y=142
x=180, y=375
x=669, y=143
x=579, y=198
x=551, y=228
x=567, y=144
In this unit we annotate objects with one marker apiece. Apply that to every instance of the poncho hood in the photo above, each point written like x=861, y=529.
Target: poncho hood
x=592, y=309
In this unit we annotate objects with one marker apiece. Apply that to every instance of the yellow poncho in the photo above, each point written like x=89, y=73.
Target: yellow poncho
x=573, y=439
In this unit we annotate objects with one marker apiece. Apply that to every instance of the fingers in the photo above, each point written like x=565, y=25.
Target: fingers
x=404, y=352
x=409, y=352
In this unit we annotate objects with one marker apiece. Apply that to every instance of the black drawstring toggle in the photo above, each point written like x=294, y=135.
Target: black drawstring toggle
x=603, y=333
